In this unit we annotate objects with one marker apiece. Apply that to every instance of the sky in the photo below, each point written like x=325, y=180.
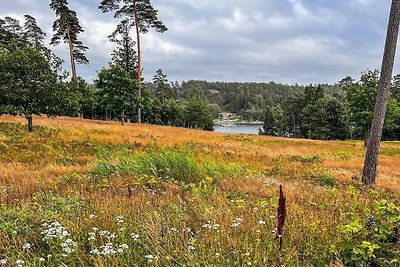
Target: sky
x=286, y=41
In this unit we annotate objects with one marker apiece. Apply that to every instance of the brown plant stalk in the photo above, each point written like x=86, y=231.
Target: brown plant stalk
x=281, y=216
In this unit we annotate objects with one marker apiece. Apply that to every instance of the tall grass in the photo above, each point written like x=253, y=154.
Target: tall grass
x=169, y=164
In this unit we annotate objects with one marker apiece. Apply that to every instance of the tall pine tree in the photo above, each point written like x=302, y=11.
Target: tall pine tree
x=67, y=28
x=124, y=55
x=141, y=15
x=33, y=34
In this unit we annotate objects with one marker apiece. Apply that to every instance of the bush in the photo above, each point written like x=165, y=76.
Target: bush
x=373, y=240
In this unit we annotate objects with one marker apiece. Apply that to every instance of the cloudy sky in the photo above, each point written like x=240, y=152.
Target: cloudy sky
x=287, y=41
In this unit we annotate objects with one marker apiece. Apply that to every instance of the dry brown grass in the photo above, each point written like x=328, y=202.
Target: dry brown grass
x=314, y=210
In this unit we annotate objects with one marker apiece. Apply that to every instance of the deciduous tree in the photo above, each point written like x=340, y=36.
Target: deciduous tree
x=29, y=82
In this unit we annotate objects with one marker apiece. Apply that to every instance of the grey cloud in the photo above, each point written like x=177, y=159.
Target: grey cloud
x=257, y=40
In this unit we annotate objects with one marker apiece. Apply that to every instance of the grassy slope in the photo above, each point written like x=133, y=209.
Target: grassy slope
x=71, y=168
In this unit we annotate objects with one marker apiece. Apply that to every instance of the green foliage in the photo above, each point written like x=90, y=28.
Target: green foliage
x=30, y=83
x=176, y=165
x=374, y=239
x=118, y=91
x=197, y=115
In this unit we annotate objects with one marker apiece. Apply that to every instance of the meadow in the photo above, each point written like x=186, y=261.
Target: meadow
x=89, y=193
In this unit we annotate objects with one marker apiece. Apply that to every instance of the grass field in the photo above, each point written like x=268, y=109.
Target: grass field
x=88, y=193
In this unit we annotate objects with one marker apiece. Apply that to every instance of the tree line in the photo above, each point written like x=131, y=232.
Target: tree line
x=33, y=82
x=346, y=114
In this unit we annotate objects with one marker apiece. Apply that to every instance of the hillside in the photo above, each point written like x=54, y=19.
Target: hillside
x=93, y=193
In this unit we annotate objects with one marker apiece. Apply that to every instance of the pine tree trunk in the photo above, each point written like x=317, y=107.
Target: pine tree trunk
x=139, y=60
x=371, y=158
x=71, y=54
x=30, y=123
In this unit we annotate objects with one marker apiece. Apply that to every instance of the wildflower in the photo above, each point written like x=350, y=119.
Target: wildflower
x=149, y=258
x=104, y=233
x=42, y=259
x=27, y=246
x=135, y=236
x=20, y=263
x=3, y=262
x=173, y=230
x=207, y=225
x=217, y=254
x=92, y=216
x=247, y=254
x=124, y=246
x=235, y=225
x=94, y=251
x=120, y=250
x=261, y=222
x=92, y=236
x=119, y=219
x=95, y=229
x=192, y=248
x=14, y=232
x=216, y=226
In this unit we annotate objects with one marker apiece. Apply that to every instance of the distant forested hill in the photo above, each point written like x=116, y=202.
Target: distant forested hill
x=247, y=99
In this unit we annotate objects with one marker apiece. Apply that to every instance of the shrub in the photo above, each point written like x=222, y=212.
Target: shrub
x=374, y=239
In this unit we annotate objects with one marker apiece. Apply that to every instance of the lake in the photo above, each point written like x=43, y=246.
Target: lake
x=238, y=128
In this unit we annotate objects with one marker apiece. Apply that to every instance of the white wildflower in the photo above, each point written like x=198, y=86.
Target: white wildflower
x=26, y=246
x=216, y=226
x=261, y=222
x=119, y=219
x=3, y=262
x=235, y=225
x=92, y=216
x=94, y=251
x=42, y=259
x=20, y=263
x=124, y=246
x=135, y=236
x=149, y=258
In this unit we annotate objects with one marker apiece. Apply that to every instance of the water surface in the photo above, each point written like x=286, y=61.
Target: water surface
x=238, y=128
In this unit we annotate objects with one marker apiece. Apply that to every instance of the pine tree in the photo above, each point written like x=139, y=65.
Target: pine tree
x=9, y=29
x=163, y=90
x=67, y=28
x=371, y=158
x=124, y=55
x=32, y=33
x=141, y=15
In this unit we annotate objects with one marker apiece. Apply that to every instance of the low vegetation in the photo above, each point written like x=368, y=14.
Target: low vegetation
x=87, y=193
